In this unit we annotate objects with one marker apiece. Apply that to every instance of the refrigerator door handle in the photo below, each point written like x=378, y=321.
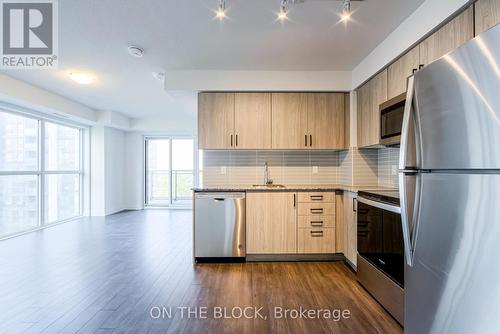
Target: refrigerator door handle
x=409, y=193
x=406, y=129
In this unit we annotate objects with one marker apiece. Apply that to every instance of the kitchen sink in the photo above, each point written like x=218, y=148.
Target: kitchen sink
x=268, y=186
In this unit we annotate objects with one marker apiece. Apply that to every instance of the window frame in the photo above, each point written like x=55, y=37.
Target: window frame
x=171, y=205
x=40, y=172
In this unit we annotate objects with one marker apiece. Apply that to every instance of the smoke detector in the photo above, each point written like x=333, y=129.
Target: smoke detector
x=135, y=51
x=160, y=76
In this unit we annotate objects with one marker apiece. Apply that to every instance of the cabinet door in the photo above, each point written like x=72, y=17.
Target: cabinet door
x=370, y=96
x=350, y=227
x=347, y=120
x=289, y=120
x=487, y=14
x=215, y=120
x=453, y=34
x=325, y=120
x=399, y=71
x=271, y=225
x=363, y=114
x=252, y=121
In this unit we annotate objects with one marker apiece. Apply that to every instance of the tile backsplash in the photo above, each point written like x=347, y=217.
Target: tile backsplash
x=369, y=167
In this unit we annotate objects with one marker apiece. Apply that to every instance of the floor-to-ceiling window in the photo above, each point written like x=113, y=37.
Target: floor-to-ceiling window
x=40, y=173
x=169, y=171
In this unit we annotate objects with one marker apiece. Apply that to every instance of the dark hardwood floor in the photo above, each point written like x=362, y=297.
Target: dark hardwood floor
x=118, y=274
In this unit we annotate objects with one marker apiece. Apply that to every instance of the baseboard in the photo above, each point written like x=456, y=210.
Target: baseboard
x=293, y=257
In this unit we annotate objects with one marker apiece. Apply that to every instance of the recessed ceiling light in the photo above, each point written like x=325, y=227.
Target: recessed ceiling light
x=135, y=51
x=220, y=13
x=81, y=78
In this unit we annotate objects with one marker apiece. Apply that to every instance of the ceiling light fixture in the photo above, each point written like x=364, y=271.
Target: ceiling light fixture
x=282, y=14
x=220, y=13
x=81, y=78
x=135, y=51
x=346, y=11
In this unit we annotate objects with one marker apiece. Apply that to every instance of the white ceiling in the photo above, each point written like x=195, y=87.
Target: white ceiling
x=182, y=35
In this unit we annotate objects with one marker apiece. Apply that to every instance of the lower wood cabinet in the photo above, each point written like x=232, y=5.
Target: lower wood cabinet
x=271, y=223
x=316, y=240
x=349, y=231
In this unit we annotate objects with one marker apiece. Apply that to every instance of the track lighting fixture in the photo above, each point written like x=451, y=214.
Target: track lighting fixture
x=220, y=13
x=346, y=10
x=282, y=14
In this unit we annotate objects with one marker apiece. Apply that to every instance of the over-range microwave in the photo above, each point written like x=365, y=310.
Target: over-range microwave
x=391, y=120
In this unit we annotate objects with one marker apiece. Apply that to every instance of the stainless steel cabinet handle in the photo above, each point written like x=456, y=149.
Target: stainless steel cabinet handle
x=236, y=140
x=317, y=210
x=294, y=200
x=316, y=234
x=310, y=140
x=231, y=140
x=421, y=66
x=317, y=223
x=354, y=206
x=414, y=70
x=305, y=140
x=316, y=197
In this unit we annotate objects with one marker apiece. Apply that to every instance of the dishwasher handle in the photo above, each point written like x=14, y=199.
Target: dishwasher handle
x=219, y=196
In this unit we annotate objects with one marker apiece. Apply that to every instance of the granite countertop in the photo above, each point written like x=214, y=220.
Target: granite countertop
x=292, y=187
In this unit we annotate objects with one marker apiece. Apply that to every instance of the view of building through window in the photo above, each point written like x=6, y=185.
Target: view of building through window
x=169, y=171
x=25, y=175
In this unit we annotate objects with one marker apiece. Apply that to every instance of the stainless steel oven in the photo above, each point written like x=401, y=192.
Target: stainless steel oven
x=391, y=120
x=381, y=249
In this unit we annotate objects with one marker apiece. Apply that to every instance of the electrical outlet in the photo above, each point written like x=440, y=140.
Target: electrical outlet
x=315, y=169
x=223, y=170
x=394, y=169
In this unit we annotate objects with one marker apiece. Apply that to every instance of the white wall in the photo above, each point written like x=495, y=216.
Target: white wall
x=107, y=170
x=134, y=171
x=115, y=170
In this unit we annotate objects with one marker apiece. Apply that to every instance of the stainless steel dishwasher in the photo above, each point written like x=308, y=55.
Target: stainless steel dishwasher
x=219, y=226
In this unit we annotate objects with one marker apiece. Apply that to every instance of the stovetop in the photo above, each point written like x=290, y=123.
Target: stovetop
x=384, y=196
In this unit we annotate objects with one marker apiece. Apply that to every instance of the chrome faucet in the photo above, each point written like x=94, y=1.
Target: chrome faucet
x=267, y=180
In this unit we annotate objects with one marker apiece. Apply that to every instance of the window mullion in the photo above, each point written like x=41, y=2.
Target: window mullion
x=41, y=177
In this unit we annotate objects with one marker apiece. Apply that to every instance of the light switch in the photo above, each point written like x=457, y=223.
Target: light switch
x=315, y=169
x=223, y=170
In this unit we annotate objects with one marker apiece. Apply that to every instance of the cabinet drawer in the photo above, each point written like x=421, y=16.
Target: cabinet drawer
x=316, y=209
x=314, y=197
x=316, y=240
x=316, y=221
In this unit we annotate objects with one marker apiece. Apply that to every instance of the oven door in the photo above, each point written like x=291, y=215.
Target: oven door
x=380, y=237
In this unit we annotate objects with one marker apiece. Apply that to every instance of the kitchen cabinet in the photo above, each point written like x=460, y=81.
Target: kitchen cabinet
x=399, y=71
x=289, y=121
x=325, y=120
x=349, y=216
x=215, y=120
x=347, y=121
x=234, y=120
x=316, y=223
x=252, y=121
x=456, y=32
x=271, y=222
x=487, y=15
x=370, y=96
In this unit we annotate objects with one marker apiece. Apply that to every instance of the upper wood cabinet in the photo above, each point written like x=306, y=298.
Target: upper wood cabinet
x=370, y=96
x=289, y=123
x=271, y=121
x=325, y=120
x=234, y=120
x=450, y=36
x=487, y=14
x=252, y=121
x=215, y=120
x=308, y=120
x=271, y=223
x=400, y=70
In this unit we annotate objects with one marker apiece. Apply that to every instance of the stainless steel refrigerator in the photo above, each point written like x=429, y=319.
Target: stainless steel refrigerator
x=450, y=191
